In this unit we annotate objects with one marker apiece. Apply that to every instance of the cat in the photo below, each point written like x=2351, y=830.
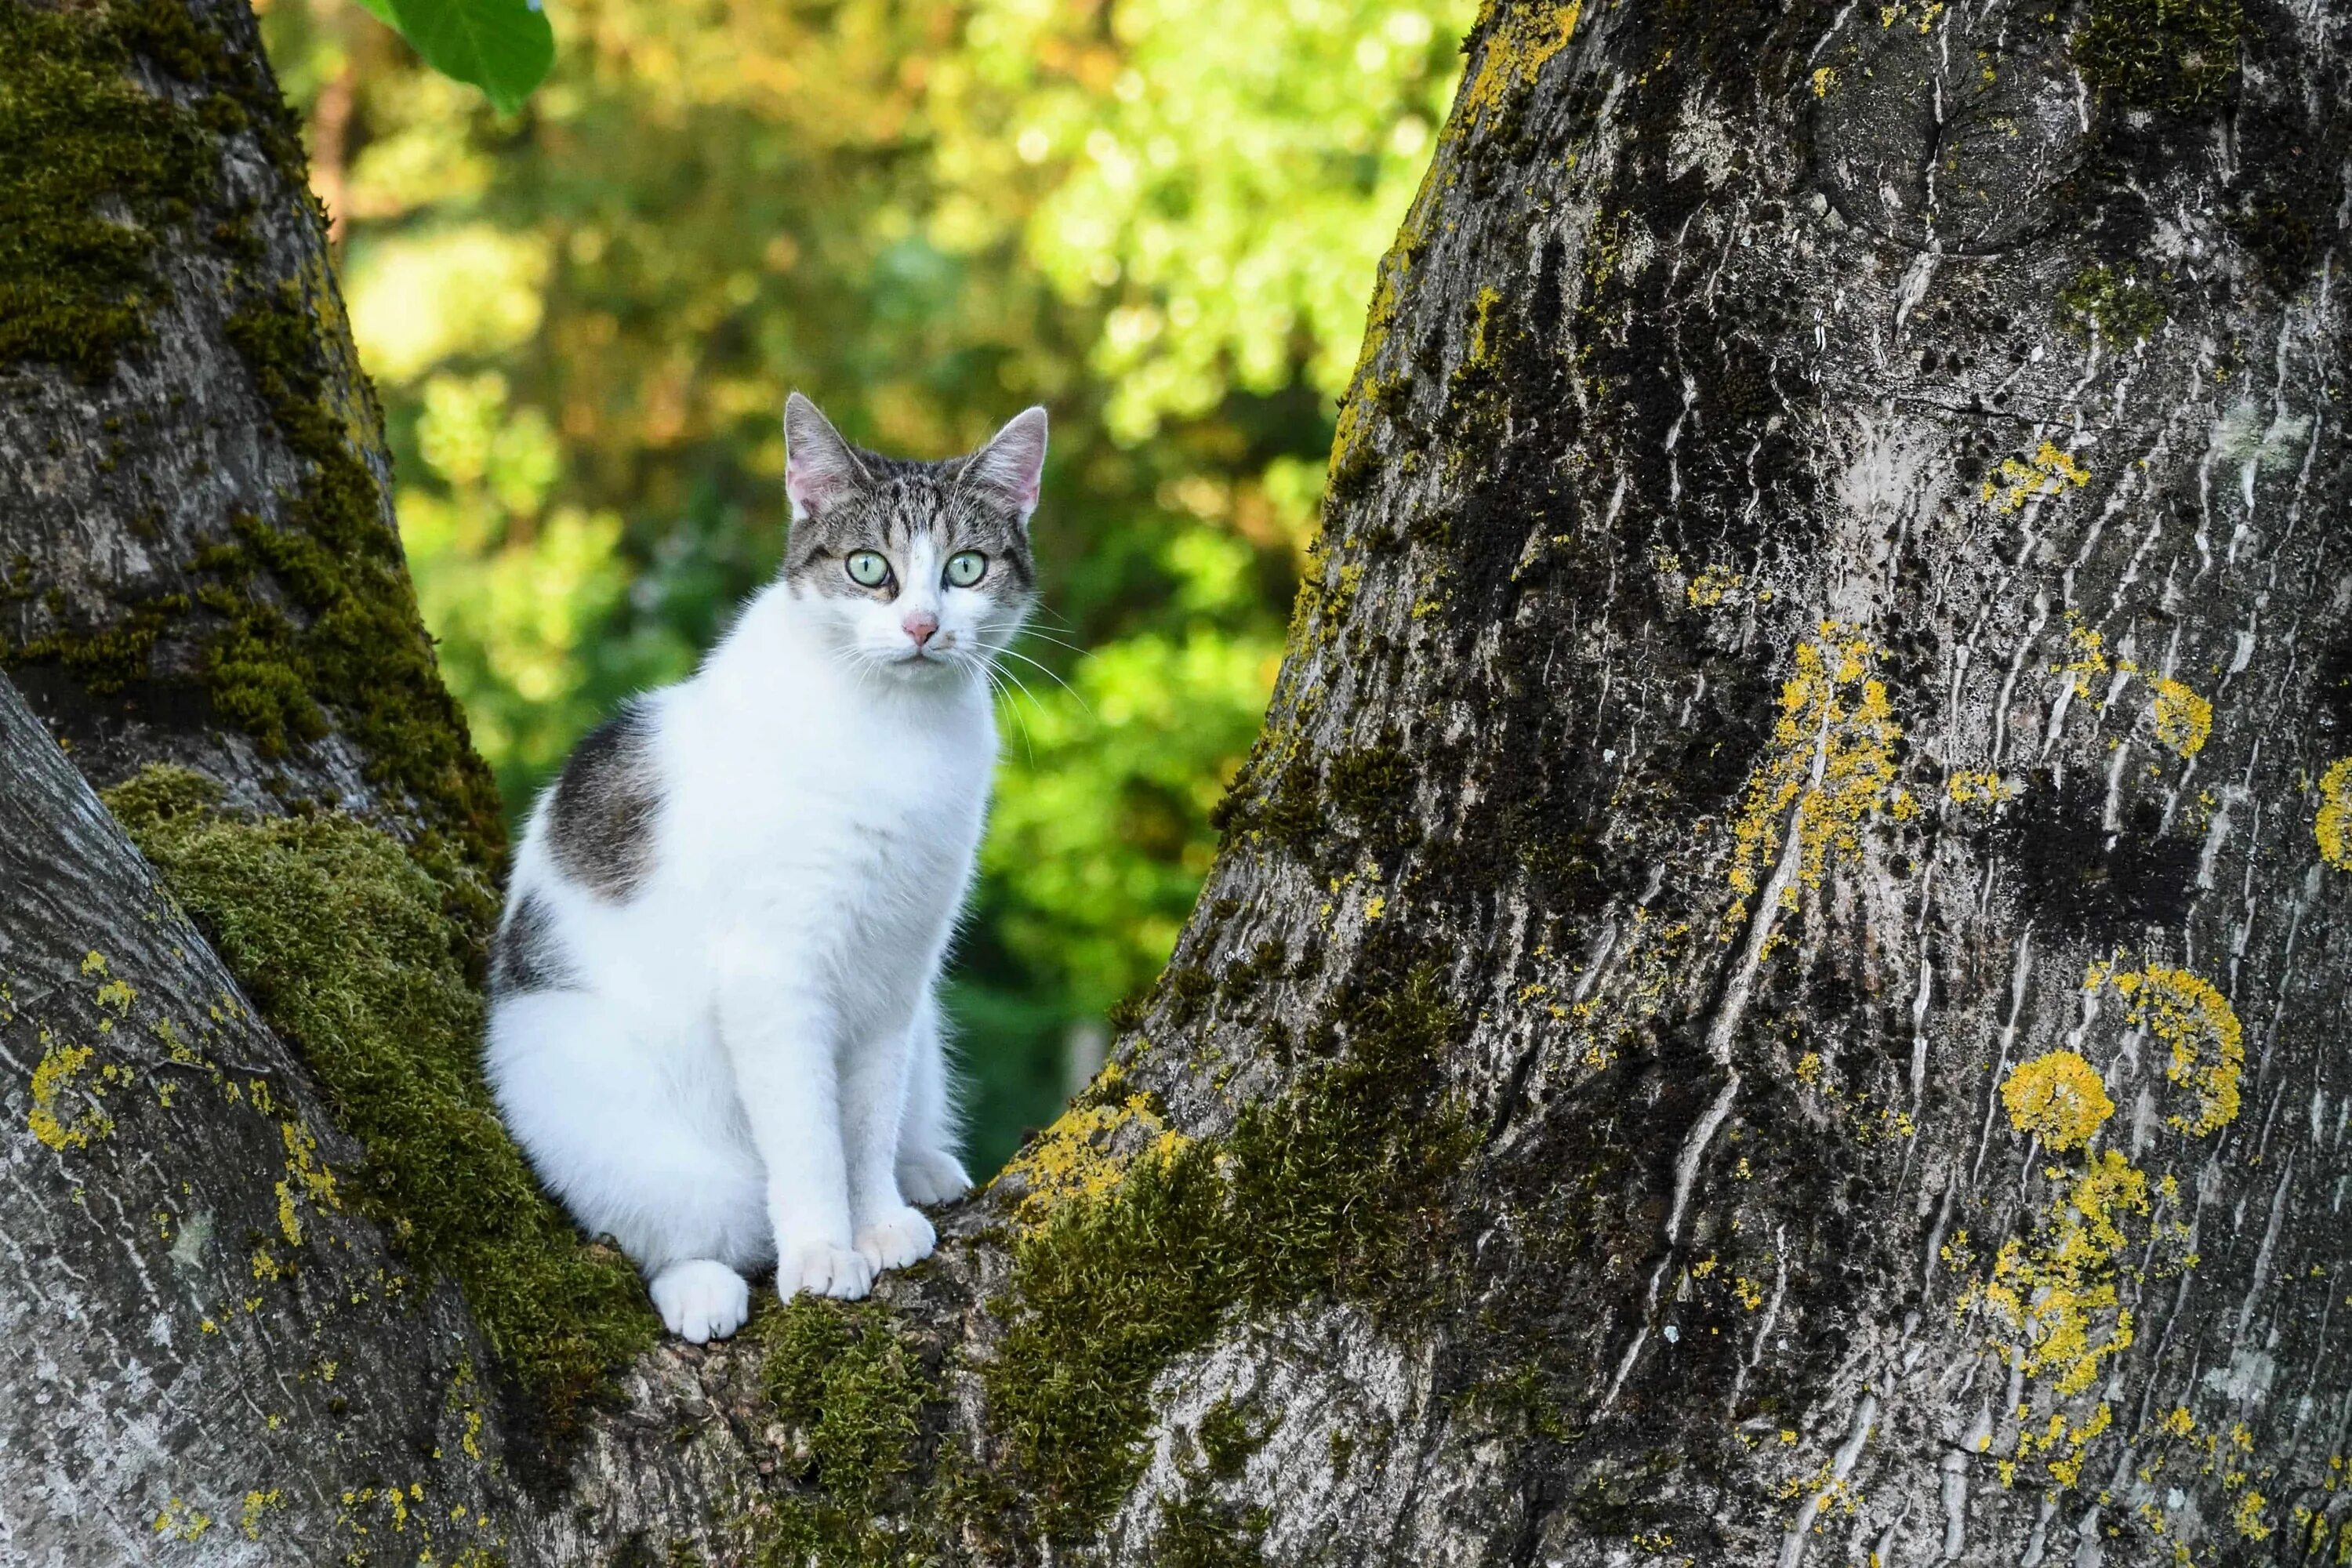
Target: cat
x=714, y=1024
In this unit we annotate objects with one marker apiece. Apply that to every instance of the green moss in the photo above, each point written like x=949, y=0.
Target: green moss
x=78, y=130
x=352, y=953
x=1187, y=988
x=843, y=1379
x=1331, y=1189
x=2116, y=305
x=1293, y=814
x=1228, y=1435
x=2174, y=55
x=364, y=656
x=1365, y=793
x=78, y=133
x=842, y=1374
x=106, y=658
x=1196, y=1529
x=76, y=287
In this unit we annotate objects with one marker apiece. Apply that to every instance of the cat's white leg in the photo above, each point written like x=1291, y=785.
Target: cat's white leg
x=930, y=1133
x=636, y=1139
x=890, y=1233
x=779, y=1029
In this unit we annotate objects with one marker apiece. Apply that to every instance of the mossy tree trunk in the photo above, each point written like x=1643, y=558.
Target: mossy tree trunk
x=1772, y=986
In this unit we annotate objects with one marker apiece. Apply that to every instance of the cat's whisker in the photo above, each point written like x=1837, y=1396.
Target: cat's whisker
x=1054, y=675
x=996, y=687
x=1058, y=642
x=1000, y=674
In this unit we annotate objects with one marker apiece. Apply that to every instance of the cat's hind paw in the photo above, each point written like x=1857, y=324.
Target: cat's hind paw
x=821, y=1268
x=926, y=1176
x=897, y=1240
x=701, y=1301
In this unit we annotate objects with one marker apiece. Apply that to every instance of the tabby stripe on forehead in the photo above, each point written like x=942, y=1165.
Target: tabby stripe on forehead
x=899, y=501
x=600, y=820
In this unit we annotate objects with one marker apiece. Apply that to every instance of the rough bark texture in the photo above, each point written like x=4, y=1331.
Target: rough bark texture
x=1772, y=989
x=200, y=562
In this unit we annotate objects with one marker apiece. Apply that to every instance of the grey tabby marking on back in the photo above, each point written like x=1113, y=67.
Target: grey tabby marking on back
x=601, y=821
x=525, y=956
x=964, y=503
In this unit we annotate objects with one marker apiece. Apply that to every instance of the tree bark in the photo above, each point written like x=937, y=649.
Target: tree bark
x=1770, y=991
x=202, y=565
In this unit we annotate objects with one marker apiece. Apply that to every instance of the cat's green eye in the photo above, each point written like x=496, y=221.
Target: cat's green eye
x=868, y=569
x=966, y=567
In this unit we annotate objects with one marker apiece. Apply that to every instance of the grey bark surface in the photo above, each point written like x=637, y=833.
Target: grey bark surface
x=165, y=1162
x=1834, y=603
x=148, y=608
x=1812, y=469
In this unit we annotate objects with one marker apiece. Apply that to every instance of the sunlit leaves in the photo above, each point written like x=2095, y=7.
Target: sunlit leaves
x=503, y=46
x=1222, y=179
x=1160, y=221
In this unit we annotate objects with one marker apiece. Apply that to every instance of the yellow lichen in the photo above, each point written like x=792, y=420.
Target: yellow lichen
x=256, y=1503
x=2335, y=814
x=2065, y=1441
x=1081, y=1156
x=182, y=1522
x=302, y=1165
x=2058, y=1099
x=52, y=1078
x=1601, y=1030
x=1482, y=326
x=1515, y=52
x=1832, y=764
x=2090, y=656
x=1824, y=79
x=1712, y=587
x=2055, y=1301
x=1976, y=788
x=2195, y=1022
x=2047, y=473
x=2183, y=719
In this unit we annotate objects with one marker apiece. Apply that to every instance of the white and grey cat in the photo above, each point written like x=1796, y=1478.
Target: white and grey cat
x=714, y=1022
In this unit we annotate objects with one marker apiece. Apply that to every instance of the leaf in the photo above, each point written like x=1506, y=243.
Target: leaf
x=503, y=46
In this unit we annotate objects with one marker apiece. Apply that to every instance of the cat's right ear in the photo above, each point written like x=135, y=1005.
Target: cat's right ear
x=819, y=467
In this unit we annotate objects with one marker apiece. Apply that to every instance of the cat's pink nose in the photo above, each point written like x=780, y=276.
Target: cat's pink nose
x=920, y=626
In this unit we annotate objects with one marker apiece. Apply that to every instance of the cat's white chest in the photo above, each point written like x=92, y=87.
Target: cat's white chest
x=858, y=822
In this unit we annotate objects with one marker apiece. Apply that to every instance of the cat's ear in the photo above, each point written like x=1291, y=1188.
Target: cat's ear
x=819, y=467
x=1012, y=464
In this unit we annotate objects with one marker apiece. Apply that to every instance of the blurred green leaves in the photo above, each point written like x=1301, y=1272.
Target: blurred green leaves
x=503, y=46
x=1160, y=219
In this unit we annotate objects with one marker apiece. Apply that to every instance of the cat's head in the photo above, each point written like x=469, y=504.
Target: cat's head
x=917, y=569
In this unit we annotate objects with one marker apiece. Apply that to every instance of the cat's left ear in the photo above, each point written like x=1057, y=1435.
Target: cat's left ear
x=1013, y=464
x=820, y=468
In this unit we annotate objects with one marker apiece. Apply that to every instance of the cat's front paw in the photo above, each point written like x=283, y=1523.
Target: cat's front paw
x=821, y=1268
x=701, y=1301
x=897, y=1240
x=927, y=1177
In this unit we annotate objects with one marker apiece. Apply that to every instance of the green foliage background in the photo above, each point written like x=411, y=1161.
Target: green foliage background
x=1161, y=220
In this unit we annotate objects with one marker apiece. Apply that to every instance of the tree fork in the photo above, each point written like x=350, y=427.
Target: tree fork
x=1767, y=994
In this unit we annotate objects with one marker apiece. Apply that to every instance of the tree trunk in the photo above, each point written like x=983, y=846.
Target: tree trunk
x=1767, y=994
